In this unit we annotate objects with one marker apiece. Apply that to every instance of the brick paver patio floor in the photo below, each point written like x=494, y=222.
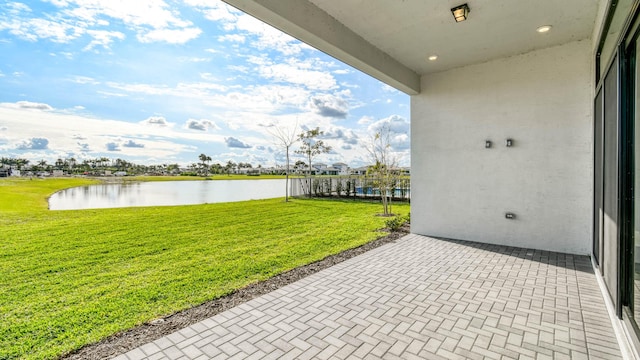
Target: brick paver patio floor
x=417, y=298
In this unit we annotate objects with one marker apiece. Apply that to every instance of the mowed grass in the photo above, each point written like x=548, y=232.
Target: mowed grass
x=69, y=278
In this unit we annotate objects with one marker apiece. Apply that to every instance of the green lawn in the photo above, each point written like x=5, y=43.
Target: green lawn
x=69, y=278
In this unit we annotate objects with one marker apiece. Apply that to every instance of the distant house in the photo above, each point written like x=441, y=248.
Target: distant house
x=343, y=169
x=323, y=169
x=360, y=170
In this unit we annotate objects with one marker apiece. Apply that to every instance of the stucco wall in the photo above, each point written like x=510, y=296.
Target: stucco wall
x=462, y=190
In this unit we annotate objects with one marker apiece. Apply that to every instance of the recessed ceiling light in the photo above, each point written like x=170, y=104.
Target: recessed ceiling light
x=433, y=58
x=544, y=28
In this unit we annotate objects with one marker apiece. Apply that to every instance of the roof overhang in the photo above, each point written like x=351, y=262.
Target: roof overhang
x=391, y=40
x=308, y=23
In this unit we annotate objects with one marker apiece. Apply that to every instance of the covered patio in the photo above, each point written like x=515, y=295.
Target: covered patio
x=417, y=298
x=523, y=148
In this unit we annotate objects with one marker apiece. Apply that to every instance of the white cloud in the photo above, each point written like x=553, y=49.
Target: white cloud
x=111, y=94
x=83, y=147
x=232, y=38
x=132, y=144
x=102, y=38
x=268, y=37
x=214, y=10
x=389, y=89
x=28, y=105
x=112, y=146
x=239, y=68
x=190, y=90
x=365, y=120
x=193, y=59
x=330, y=106
x=263, y=36
x=88, y=136
x=294, y=72
x=235, y=143
x=151, y=20
x=156, y=14
x=35, y=29
x=85, y=80
x=159, y=121
x=172, y=36
x=200, y=125
x=312, y=79
x=399, y=130
x=340, y=133
x=36, y=143
x=16, y=8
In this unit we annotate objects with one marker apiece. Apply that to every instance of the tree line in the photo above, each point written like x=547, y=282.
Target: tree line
x=384, y=165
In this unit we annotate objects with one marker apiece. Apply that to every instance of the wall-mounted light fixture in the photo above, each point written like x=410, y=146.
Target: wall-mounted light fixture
x=487, y=144
x=509, y=142
x=460, y=12
x=510, y=216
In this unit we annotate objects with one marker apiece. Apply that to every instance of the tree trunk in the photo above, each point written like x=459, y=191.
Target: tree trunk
x=286, y=182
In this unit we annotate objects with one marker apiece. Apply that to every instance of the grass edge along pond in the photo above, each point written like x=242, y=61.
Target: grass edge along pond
x=70, y=278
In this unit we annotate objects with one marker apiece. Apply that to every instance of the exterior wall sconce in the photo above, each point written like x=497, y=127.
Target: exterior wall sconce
x=509, y=142
x=487, y=144
x=510, y=216
x=460, y=12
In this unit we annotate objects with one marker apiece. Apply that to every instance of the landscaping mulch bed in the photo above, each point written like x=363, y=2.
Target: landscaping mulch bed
x=128, y=340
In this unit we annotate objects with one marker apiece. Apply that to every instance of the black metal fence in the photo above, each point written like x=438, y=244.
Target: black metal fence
x=348, y=187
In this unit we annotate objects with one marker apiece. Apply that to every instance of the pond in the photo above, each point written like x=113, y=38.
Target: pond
x=165, y=193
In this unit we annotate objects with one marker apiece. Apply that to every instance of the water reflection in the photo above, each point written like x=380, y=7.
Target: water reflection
x=164, y=193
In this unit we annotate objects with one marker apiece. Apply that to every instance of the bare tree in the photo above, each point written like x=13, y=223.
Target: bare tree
x=285, y=138
x=384, y=170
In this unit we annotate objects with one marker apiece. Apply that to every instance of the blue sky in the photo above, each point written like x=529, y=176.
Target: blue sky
x=154, y=81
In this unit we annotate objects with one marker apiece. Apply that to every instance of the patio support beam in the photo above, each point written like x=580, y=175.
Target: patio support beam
x=310, y=24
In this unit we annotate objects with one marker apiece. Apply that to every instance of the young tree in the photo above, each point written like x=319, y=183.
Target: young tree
x=285, y=138
x=384, y=169
x=311, y=147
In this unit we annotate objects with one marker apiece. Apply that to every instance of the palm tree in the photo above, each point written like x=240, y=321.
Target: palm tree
x=205, y=163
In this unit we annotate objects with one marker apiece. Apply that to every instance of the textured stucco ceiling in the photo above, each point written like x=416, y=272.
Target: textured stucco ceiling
x=412, y=30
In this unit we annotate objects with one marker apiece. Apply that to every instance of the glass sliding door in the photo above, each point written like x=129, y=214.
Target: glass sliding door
x=598, y=214
x=635, y=250
x=610, y=224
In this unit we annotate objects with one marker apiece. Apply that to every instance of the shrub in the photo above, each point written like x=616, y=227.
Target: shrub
x=395, y=223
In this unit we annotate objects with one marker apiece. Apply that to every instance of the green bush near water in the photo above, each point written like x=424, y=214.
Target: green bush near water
x=69, y=278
